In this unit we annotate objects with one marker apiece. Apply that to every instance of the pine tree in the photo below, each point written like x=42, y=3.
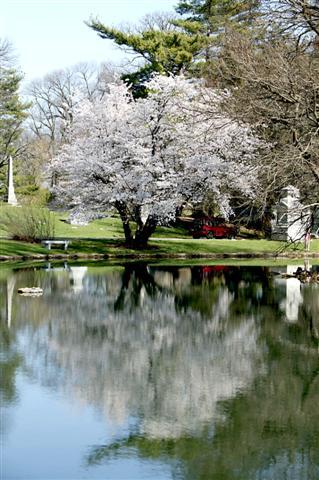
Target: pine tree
x=186, y=44
x=214, y=15
x=213, y=19
x=165, y=51
x=12, y=109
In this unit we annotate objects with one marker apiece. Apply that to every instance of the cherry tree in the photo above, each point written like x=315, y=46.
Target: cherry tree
x=151, y=156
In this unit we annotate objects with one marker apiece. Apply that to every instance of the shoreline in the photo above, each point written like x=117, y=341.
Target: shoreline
x=154, y=256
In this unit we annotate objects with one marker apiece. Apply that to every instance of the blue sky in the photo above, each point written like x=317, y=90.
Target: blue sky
x=51, y=34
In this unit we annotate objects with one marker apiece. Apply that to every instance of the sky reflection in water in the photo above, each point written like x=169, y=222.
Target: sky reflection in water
x=159, y=372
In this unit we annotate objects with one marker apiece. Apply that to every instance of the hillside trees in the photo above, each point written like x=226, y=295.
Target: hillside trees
x=146, y=158
x=213, y=16
x=297, y=17
x=274, y=87
x=53, y=99
x=160, y=45
x=55, y=96
x=178, y=44
x=12, y=108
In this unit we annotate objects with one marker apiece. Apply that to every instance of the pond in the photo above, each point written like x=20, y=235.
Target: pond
x=140, y=371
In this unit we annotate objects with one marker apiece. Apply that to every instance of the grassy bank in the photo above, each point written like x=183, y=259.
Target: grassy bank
x=158, y=247
x=106, y=228
x=104, y=237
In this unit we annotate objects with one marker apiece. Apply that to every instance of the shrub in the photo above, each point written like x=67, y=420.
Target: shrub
x=39, y=197
x=30, y=224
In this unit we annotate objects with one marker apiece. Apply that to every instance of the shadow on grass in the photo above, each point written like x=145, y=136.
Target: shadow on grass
x=13, y=247
x=83, y=246
x=104, y=246
x=157, y=247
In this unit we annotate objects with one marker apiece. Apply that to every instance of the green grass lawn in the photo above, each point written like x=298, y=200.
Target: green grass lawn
x=105, y=237
x=227, y=246
x=109, y=227
x=157, y=247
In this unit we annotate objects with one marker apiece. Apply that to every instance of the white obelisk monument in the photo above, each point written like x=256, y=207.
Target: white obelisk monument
x=12, y=199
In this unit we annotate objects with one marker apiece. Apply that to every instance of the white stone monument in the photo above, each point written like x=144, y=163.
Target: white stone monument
x=77, y=276
x=290, y=304
x=11, y=281
x=12, y=199
x=291, y=220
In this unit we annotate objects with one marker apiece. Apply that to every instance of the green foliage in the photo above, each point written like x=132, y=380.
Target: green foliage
x=212, y=18
x=40, y=197
x=12, y=111
x=164, y=51
x=26, y=189
x=216, y=14
x=29, y=192
x=29, y=224
x=168, y=51
x=185, y=44
x=3, y=182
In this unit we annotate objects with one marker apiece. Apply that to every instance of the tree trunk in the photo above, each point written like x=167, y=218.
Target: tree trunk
x=124, y=214
x=143, y=233
x=143, y=230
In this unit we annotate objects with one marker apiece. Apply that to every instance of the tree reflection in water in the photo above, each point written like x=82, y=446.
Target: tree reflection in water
x=199, y=361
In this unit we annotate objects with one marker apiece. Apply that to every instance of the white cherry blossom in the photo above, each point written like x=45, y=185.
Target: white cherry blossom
x=149, y=157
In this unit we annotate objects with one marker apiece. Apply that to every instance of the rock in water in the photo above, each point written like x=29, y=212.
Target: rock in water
x=30, y=291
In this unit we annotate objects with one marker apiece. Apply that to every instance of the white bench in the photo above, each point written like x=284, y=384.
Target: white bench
x=49, y=243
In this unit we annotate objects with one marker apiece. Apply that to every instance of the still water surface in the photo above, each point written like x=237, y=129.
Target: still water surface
x=159, y=372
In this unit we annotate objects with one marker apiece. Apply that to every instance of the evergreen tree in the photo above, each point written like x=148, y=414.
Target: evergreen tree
x=12, y=109
x=213, y=19
x=169, y=50
x=214, y=15
x=184, y=44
